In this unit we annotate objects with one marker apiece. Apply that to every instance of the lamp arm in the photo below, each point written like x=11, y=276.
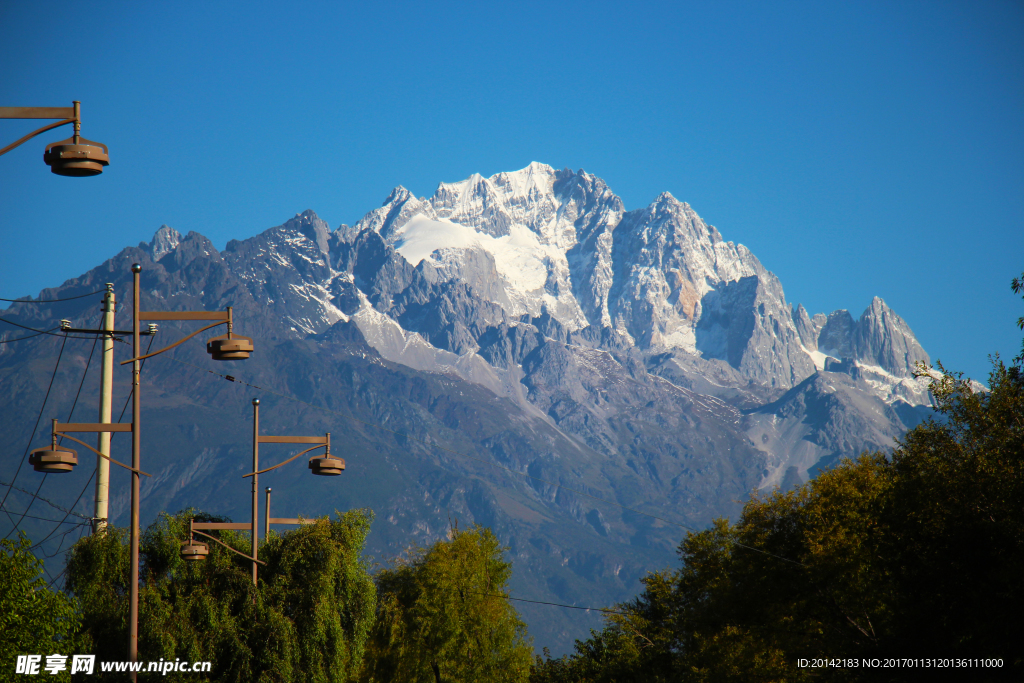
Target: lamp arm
x=238, y=552
x=286, y=461
x=28, y=137
x=68, y=436
x=180, y=341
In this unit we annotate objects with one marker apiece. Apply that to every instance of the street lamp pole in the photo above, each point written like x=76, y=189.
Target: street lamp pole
x=323, y=465
x=255, y=483
x=227, y=347
x=133, y=604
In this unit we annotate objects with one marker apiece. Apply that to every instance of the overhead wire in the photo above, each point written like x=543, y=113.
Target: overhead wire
x=555, y=604
x=50, y=301
x=71, y=414
x=38, y=331
x=56, y=521
x=32, y=435
x=93, y=474
x=63, y=537
x=45, y=500
x=29, y=336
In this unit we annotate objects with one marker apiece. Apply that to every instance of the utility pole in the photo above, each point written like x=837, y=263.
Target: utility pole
x=106, y=391
x=255, y=483
x=133, y=586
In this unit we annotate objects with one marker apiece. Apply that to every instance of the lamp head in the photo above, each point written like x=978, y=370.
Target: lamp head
x=192, y=551
x=327, y=465
x=233, y=347
x=53, y=460
x=76, y=157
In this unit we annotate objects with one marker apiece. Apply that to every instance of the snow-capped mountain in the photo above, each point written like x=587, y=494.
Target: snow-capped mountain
x=526, y=320
x=486, y=271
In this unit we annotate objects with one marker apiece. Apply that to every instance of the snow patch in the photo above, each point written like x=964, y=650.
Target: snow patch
x=519, y=256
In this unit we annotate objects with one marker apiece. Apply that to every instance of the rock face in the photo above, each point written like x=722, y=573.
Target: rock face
x=519, y=351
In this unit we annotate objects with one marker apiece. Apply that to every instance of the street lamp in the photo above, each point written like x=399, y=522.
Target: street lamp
x=240, y=351
x=56, y=459
x=76, y=156
x=324, y=465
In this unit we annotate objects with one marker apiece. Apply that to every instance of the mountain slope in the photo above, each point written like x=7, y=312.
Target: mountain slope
x=519, y=351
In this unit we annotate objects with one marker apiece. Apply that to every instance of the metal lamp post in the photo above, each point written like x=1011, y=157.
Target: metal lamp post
x=56, y=459
x=75, y=156
x=324, y=465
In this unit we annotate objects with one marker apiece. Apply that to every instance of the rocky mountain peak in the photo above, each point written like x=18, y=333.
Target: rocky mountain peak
x=879, y=338
x=883, y=338
x=539, y=240
x=311, y=226
x=494, y=205
x=836, y=336
x=164, y=241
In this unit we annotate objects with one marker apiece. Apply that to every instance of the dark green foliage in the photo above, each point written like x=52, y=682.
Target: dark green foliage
x=1018, y=288
x=917, y=555
x=954, y=507
x=34, y=620
x=442, y=616
x=307, y=621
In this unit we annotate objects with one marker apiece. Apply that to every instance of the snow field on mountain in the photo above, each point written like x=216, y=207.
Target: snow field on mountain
x=519, y=257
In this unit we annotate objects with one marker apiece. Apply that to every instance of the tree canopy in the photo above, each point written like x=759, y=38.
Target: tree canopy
x=34, y=620
x=443, y=616
x=308, y=620
x=917, y=554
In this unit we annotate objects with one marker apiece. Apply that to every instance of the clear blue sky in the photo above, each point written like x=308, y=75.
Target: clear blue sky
x=858, y=148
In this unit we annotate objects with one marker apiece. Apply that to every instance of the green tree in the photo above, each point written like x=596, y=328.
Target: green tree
x=443, y=616
x=308, y=620
x=34, y=620
x=954, y=541
x=915, y=555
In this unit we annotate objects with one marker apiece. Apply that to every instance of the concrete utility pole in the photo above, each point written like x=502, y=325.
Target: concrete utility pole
x=106, y=390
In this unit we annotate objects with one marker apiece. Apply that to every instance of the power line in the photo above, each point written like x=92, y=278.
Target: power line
x=29, y=336
x=555, y=604
x=78, y=393
x=54, y=579
x=93, y=473
x=81, y=493
x=55, y=521
x=63, y=537
x=429, y=444
x=38, y=332
x=71, y=414
x=31, y=436
x=50, y=301
x=45, y=500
